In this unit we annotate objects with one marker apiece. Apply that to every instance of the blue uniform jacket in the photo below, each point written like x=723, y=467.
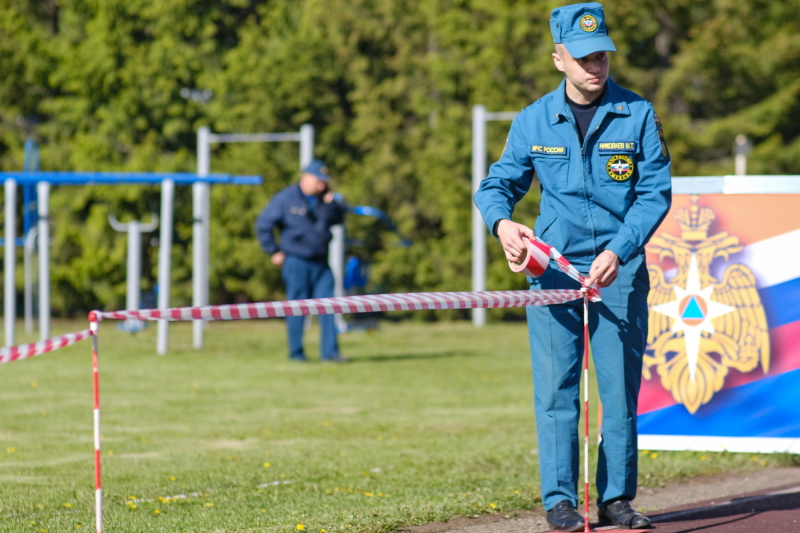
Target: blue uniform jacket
x=610, y=193
x=304, y=232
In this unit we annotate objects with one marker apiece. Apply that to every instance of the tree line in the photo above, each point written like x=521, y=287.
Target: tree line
x=389, y=86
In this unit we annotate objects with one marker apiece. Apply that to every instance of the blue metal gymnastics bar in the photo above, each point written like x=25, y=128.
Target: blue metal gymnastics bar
x=43, y=182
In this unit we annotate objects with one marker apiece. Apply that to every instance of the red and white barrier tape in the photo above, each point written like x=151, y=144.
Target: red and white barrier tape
x=538, y=257
x=413, y=301
x=24, y=351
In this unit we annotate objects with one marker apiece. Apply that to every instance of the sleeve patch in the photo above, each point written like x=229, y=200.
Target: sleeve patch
x=661, y=138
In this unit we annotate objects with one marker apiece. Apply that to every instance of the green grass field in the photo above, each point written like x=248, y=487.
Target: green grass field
x=429, y=421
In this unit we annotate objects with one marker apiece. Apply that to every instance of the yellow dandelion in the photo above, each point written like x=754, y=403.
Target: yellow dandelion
x=754, y=458
x=703, y=457
x=209, y=504
x=11, y=450
x=516, y=492
x=267, y=465
x=67, y=505
x=492, y=505
x=263, y=510
x=301, y=527
x=110, y=452
x=157, y=511
x=654, y=455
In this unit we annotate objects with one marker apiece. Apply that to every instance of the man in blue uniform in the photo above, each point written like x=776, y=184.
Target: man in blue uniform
x=603, y=167
x=303, y=214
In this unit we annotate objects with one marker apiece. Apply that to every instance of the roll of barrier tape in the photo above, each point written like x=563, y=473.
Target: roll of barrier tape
x=535, y=261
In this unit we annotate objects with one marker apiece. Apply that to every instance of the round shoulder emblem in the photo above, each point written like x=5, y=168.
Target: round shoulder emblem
x=588, y=23
x=620, y=167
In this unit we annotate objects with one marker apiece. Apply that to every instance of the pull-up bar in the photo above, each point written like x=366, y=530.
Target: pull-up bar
x=43, y=181
x=125, y=178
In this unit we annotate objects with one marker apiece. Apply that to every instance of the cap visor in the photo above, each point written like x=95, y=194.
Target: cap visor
x=584, y=47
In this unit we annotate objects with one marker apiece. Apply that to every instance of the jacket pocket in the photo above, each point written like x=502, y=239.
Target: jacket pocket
x=551, y=163
x=543, y=229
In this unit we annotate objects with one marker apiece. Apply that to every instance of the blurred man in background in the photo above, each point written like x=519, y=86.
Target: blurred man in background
x=303, y=214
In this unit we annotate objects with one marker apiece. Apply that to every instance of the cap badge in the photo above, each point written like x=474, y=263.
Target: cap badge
x=588, y=23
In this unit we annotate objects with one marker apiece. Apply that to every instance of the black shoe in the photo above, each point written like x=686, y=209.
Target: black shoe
x=335, y=359
x=564, y=517
x=299, y=358
x=622, y=514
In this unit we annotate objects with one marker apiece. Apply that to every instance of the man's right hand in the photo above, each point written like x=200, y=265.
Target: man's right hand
x=277, y=258
x=512, y=236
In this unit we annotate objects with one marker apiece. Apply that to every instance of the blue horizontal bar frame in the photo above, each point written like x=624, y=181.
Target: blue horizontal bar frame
x=125, y=178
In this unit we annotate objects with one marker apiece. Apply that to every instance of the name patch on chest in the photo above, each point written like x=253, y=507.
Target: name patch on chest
x=298, y=210
x=617, y=147
x=548, y=150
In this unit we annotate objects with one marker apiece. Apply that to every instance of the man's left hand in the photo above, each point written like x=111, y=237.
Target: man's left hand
x=604, y=269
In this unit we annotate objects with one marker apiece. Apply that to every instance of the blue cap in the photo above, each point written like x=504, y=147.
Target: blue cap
x=318, y=169
x=581, y=28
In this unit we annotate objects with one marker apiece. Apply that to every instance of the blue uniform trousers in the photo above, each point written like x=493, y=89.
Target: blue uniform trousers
x=618, y=333
x=309, y=279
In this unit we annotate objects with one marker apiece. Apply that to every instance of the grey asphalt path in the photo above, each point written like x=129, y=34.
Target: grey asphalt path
x=758, y=502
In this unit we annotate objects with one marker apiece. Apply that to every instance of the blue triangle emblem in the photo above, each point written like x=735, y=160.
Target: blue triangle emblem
x=693, y=310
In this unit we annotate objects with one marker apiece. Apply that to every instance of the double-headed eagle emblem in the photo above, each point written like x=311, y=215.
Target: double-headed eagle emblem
x=701, y=327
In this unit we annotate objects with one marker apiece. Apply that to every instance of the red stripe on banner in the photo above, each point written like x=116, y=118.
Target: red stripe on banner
x=216, y=313
x=235, y=313
x=784, y=357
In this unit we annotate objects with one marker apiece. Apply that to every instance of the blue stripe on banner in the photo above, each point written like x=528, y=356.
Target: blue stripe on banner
x=781, y=302
x=765, y=408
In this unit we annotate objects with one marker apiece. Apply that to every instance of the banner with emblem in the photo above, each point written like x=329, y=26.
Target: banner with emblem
x=722, y=365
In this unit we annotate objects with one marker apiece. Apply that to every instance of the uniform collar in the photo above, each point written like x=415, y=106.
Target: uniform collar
x=613, y=102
